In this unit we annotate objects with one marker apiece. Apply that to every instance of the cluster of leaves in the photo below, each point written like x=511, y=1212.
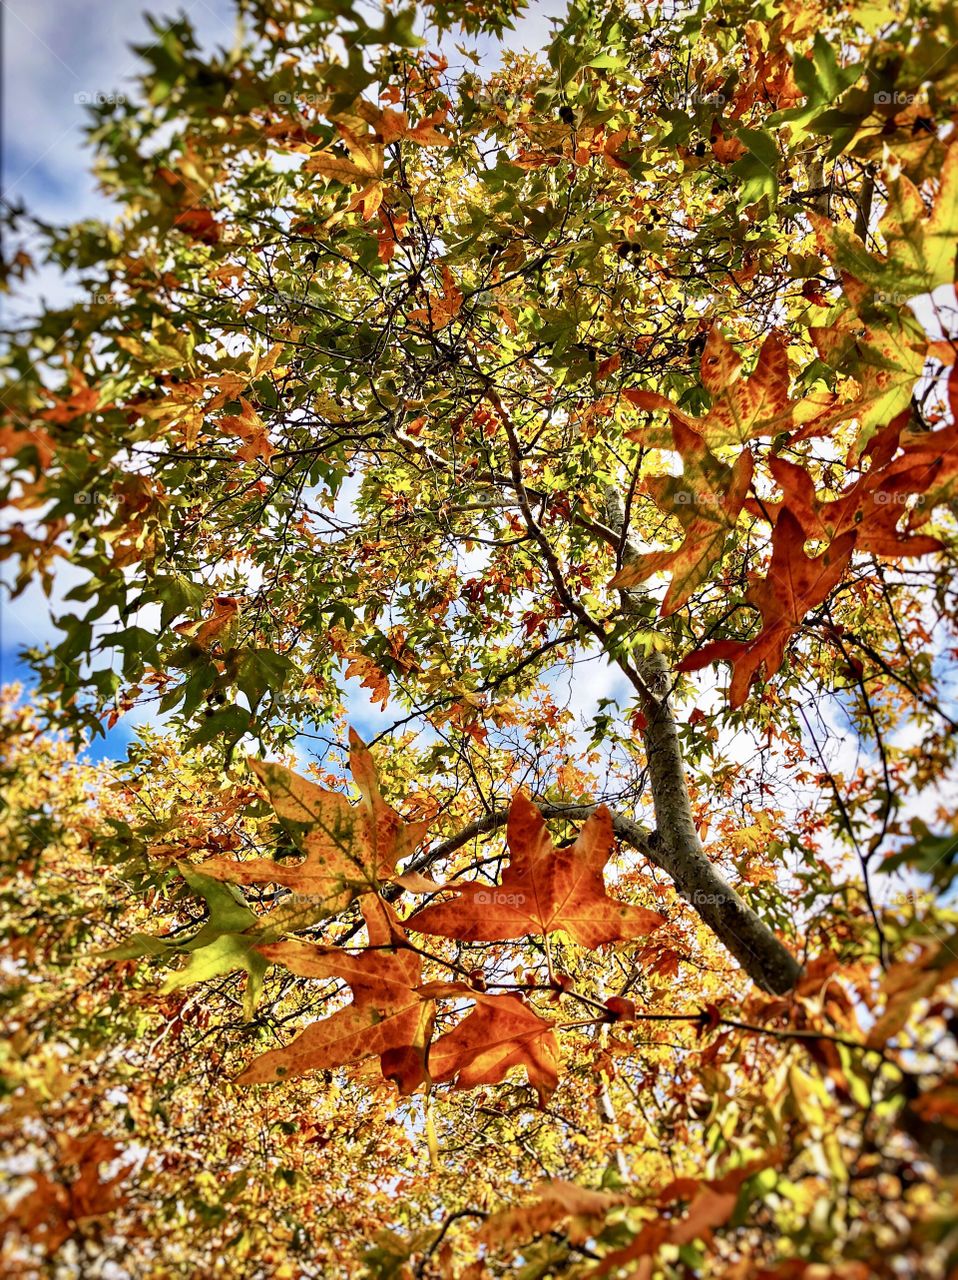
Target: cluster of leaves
x=146, y=1151
x=387, y=368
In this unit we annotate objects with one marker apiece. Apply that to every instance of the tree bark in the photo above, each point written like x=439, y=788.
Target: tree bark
x=674, y=845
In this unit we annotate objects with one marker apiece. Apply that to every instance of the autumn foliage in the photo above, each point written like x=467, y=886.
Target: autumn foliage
x=487, y=808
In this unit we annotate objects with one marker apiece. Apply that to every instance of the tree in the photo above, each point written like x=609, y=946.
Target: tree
x=540, y=403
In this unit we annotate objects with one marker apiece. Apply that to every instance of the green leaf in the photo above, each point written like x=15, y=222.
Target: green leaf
x=229, y=722
x=224, y=942
x=758, y=169
x=224, y=954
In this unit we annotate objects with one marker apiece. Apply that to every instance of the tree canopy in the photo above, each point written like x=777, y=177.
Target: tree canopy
x=513, y=495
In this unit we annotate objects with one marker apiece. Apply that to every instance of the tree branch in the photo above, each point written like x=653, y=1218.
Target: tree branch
x=675, y=845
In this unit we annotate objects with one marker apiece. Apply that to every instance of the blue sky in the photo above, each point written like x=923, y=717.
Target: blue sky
x=57, y=51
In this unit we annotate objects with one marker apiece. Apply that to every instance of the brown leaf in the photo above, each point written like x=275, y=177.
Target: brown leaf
x=874, y=505
x=543, y=889
x=555, y=1203
x=442, y=308
x=795, y=583
x=386, y=1018
x=501, y=1032
x=251, y=429
x=223, y=615
x=336, y=168
x=54, y=1210
x=349, y=849
x=199, y=224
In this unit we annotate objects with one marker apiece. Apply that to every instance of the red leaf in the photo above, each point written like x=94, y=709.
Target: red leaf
x=387, y=1017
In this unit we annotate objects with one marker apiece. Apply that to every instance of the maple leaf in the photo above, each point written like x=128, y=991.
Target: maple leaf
x=794, y=584
x=226, y=941
x=911, y=980
x=191, y=217
x=82, y=399
x=16, y=437
x=349, y=849
x=37, y=555
x=56, y=1209
x=928, y=462
x=198, y=223
x=921, y=246
x=441, y=309
x=394, y=126
x=386, y=1018
x=501, y=1032
x=555, y=1203
x=743, y=408
x=710, y=1205
x=389, y=233
x=882, y=361
x=543, y=889
x=338, y=168
x=220, y=625
x=871, y=508
x=251, y=429
x=365, y=169
x=362, y=668
x=706, y=500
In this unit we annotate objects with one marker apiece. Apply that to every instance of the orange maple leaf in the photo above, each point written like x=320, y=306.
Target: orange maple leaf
x=501, y=1032
x=364, y=170
x=349, y=849
x=394, y=126
x=710, y=1205
x=902, y=466
x=743, y=408
x=794, y=584
x=224, y=613
x=56, y=1209
x=191, y=216
x=370, y=676
x=543, y=889
x=555, y=1203
x=441, y=309
x=706, y=500
x=249, y=427
x=199, y=224
x=386, y=1018
x=389, y=233
x=16, y=436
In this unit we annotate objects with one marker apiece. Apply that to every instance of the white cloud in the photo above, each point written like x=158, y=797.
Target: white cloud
x=59, y=50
